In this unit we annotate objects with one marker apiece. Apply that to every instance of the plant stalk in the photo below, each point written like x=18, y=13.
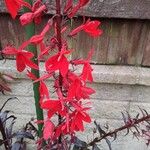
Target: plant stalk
x=59, y=39
x=30, y=31
x=115, y=131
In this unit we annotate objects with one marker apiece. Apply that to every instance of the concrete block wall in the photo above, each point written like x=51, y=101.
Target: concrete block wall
x=118, y=88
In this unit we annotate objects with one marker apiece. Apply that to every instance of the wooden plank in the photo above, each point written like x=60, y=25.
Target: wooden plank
x=127, y=42
x=138, y=9
x=146, y=47
x=10, y=31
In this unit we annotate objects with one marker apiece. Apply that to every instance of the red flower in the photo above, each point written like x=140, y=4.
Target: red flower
x=90, y=27
x=36, y=5
x=44, y=93
x=77, y=121
x=29, y=16
x=37, y=39
x=26, y=18
x=13, y=6
x=23, y=58
x=87, y=69
x=74, y=10
x=53, y=106
x=58, y=62
x=78, y=91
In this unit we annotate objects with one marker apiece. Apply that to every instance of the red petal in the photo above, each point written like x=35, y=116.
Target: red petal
x=50, y=113
x=83, y=2
x=23, y=3
x=79, y=124
x=45, y=30
x=12, y=7
x=91, y=27
x=39, y=11
x=30, y=64
x=44, y=77
x=68, y=5
x=26, y=18
x=31, y=75
x=52, y=63
x=36, y=39
x=48, y=131
x=43, y=90
x=26, y=54
x=84, y=116
x=64, y=65
x=52, y=104
x=10, y=50
x=20, y=63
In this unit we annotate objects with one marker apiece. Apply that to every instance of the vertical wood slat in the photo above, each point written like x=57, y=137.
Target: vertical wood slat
x=146, y=57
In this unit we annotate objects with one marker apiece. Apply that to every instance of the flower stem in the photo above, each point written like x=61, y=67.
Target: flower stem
x=58, y=30
x=30, y=31
x=115, y=131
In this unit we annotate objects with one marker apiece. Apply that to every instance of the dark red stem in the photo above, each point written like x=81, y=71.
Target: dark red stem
x=126, y=126
x=58, y=24
x=59, y=40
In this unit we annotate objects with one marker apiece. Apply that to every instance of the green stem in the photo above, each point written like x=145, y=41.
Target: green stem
x=30, y=31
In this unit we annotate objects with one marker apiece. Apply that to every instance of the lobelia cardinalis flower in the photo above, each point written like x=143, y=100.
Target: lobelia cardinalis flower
x=58, y=62
x=87, y=69
x=37, y=39
x=74, y=10
x=36, y=5
x=77, y=121
x=90, y=27
x=78, y=116
x=79, y=91
x=23, y=58
x=53, y=106
x=29, y=16
x=14, y=6
x=44, y=93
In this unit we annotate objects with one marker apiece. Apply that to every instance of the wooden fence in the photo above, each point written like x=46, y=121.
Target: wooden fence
x=125, y=25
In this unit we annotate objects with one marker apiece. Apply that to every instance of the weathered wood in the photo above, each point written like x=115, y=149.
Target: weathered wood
x=139, y=9
x=124, y=42
x=119, y=9
x=146, y=48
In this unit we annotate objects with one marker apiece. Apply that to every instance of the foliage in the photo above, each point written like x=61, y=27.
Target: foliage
x=6, y=128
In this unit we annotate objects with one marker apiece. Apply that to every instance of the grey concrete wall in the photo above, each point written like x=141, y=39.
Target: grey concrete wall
x=118, y=88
